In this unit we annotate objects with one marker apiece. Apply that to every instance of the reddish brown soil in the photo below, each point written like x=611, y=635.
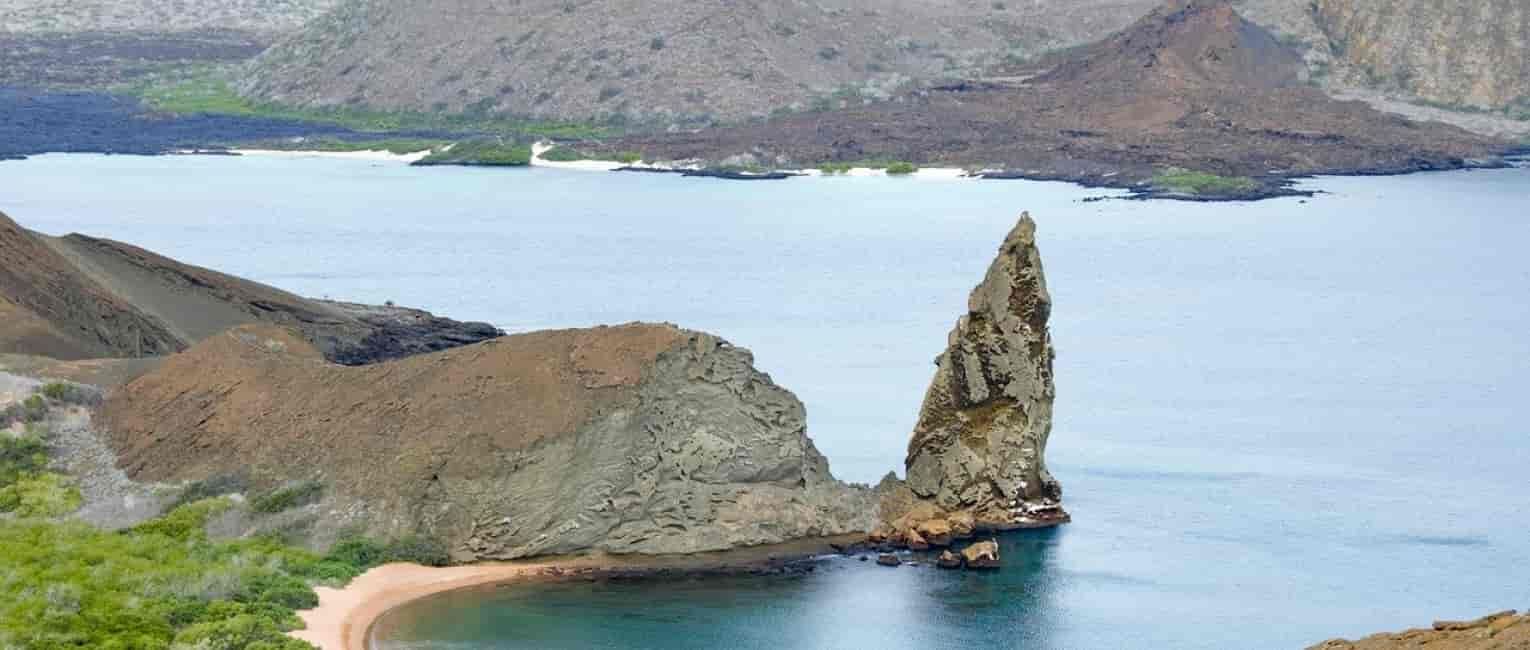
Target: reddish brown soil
x=251, y=400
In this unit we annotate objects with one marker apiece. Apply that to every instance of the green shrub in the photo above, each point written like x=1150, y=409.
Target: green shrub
x=490, y=153
x=901, y=168
x=832, y=168
x=209, y=488
x=44, y=495
x=563, y=154
x=287, y=498
x=69, y=585
x=68, y=393
x=1185, y=181
x=628, y=157
x=188, y=522
x=364, y=554
x=21, y=456
x=242, y=632
x=31, y=410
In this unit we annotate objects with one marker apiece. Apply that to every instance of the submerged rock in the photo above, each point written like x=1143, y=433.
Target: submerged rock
x=976, y=460
x=888, y=559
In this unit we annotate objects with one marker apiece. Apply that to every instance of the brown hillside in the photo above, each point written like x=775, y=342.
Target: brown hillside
x=257, y=397
x=1190, y=85
x=63, y=313
x=79, y=297
x=658, y=60
x=639, y=438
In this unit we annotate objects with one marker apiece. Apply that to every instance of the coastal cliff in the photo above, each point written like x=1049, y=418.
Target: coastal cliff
x=632, y=439
x=1462, y=54
x=976, y=460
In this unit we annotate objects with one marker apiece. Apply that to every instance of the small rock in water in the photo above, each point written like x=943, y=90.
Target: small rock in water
x=949, y=560
x=888, y=559
x=982, y=555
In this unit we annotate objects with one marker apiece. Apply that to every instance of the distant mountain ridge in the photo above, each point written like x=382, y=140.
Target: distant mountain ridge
x=263, y=17
x=663, y=60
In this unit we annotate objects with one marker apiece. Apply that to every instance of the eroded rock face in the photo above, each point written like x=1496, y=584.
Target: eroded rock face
x=632, y=439
x=1473, y=54
x=978, y=450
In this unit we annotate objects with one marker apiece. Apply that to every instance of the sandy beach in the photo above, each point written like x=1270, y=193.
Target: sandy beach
x=345, y=617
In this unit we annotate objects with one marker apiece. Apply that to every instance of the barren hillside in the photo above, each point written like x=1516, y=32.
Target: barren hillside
x=665, y=60
x=1190, y=85
x=266, y=17
x=79, y=297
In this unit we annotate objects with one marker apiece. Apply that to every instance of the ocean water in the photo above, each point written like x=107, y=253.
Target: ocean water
x=1277, y=422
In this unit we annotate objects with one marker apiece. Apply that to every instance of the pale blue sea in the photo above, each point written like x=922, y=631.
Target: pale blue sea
x=1277, y=422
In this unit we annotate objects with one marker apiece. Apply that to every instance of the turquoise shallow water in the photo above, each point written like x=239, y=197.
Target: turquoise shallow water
x=1277, y=422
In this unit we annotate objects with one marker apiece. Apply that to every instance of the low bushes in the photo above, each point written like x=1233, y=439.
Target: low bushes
x=1186, y=181
x=288, y=497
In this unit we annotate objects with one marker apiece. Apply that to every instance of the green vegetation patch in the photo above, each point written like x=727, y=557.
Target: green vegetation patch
x=213, y=487
x=43, y=494
x=365, y=553
x=1185, y=181
x=67, y=393
x=396, y=146
x=892, y=167
x=69, y=585
x=205, y=90
x=288, y=497
x=488, y=153
x=27, y=488
x=564, y=154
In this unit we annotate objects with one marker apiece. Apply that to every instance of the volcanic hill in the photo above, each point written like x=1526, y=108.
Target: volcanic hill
x=1190, y=85
x=78, y=297
x=663, y=61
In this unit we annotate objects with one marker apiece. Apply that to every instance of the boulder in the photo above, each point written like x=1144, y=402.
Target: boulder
x=982, y=555
x=888, y=559
x=916, y=542
x=948, y=560
x=963, y=525
x=937, y=532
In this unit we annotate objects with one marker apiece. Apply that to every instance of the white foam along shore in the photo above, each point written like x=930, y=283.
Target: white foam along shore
x=379, y=156
x=941, y=173
x=540, y=148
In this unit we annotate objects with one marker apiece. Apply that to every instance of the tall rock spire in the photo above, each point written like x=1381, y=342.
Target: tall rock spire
x=977, y=456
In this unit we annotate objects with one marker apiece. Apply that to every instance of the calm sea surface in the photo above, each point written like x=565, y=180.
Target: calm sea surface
x=1277, y=423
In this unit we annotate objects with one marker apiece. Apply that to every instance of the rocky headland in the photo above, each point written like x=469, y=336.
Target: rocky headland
x=633, y=439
